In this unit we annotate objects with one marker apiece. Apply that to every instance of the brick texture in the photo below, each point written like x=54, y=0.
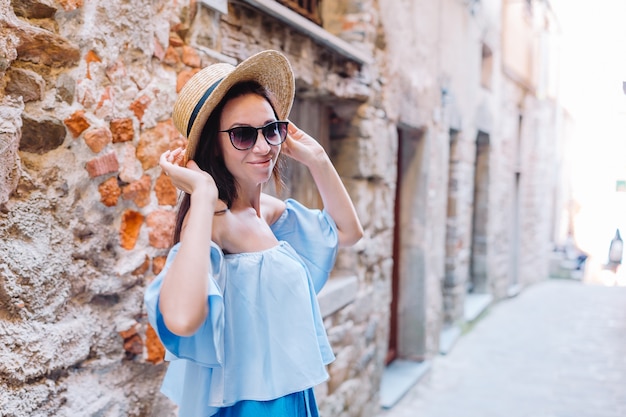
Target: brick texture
x=109, y=192
x=102, y=165
x=77, y=123
x=129, y=229
x=161, y=224
x=122, y=130
x=97, y=139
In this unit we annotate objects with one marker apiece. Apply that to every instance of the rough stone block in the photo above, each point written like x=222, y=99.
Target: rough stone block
x=41, y=134
x=138, y=191
x=32, y=9
x=364, y=155
x=37, y=349
x=129, y=229
x=25, y=83
x=66, y=88
x=130, y=332
x=122, y=130
x=40, y=46
x=191, y=57
x=153, y=142
x=102, y=165
x=133, y=345
x=161, y=224
x=171, y=56
x=166, y=193
x=97, y=139
x=69, y=5
x=183, y=77
x=159, y=51
x=130, y=169
x=158, y=263
x=109, y=192
x=10, y=123
x=154, y=347
x=77, y=123
x=139, y=106
x=175, y=40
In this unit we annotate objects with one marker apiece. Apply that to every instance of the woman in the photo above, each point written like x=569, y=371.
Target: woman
x=235, y=305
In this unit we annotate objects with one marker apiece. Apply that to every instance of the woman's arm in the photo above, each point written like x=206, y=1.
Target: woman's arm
x=337, y=203
x=183, y=297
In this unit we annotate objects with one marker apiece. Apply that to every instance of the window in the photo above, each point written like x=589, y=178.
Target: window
x=311, y=9
x=312, y=117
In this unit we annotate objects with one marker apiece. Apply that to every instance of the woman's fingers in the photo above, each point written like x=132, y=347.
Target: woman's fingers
x=291, y=128
x=184, y=177
x=171, y=157
x=164, y=161
x=301, y=146
x=293, y=131
x=170, y=162
x=178, y=155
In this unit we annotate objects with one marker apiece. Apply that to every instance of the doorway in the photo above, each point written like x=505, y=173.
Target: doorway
x=407, y=336
x=477, y=283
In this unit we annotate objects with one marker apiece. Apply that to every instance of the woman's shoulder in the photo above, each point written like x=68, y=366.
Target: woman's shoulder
x=272, y=208
x=220, y=207
x=220, y=222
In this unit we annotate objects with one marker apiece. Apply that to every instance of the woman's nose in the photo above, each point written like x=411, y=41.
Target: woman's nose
x=261, y=146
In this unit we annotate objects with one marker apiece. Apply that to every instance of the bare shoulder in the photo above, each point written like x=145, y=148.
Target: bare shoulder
x=272, y=208
x=218, y=221
x=221, y=219
x=220, y=207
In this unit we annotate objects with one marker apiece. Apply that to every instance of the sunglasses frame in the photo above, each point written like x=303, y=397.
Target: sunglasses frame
x=232, y=129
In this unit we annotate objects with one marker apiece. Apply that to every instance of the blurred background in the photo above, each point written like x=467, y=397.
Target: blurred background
x=592, y=74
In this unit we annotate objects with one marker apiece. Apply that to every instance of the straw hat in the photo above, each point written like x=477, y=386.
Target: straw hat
x=206, y=88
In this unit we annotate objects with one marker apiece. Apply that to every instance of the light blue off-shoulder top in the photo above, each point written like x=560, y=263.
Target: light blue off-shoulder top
x=264, y=336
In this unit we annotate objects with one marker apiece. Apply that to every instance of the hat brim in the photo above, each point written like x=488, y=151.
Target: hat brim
x=270, y=69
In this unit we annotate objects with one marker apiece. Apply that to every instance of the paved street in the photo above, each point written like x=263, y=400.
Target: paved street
x=558, y=349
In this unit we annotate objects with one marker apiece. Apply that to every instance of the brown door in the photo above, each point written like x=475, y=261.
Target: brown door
x=392, y=351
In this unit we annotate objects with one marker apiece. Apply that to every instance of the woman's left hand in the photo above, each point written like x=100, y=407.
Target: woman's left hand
x=306, y=150
x=301, y=146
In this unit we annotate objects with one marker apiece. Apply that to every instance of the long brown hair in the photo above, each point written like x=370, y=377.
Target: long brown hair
x=209, y=154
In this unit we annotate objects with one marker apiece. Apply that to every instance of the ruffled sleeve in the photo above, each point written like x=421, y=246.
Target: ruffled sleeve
x=206, y=346
x=313, y=235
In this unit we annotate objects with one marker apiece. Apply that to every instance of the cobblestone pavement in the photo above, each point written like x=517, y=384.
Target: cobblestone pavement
x=558, y=349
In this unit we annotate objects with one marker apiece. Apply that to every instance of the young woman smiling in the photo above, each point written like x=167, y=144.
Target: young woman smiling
x=235, y=305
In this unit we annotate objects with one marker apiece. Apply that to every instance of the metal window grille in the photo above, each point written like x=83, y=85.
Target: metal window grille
x=311, y=9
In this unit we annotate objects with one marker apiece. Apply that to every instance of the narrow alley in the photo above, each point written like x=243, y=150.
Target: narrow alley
x=556, y=350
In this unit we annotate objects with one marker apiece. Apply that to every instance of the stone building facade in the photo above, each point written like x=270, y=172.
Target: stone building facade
x=438, y=115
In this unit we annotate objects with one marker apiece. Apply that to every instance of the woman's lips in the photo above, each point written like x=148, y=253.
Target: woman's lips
x=264, y=162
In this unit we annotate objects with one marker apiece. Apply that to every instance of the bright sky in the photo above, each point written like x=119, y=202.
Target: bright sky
x=593, y=67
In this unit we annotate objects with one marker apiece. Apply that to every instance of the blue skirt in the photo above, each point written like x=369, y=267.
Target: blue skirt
x=298, y=404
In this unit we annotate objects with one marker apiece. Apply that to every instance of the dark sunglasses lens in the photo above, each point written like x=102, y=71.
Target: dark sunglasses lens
x=275, y=132
x=243, y=137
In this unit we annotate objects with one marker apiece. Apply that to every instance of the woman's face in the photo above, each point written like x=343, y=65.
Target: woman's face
x=255, y=165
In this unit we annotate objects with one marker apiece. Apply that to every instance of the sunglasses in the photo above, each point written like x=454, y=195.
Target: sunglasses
x=244, y=137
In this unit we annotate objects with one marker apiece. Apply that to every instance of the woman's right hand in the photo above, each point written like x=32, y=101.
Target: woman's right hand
x=184, y=292
x=188, y=178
